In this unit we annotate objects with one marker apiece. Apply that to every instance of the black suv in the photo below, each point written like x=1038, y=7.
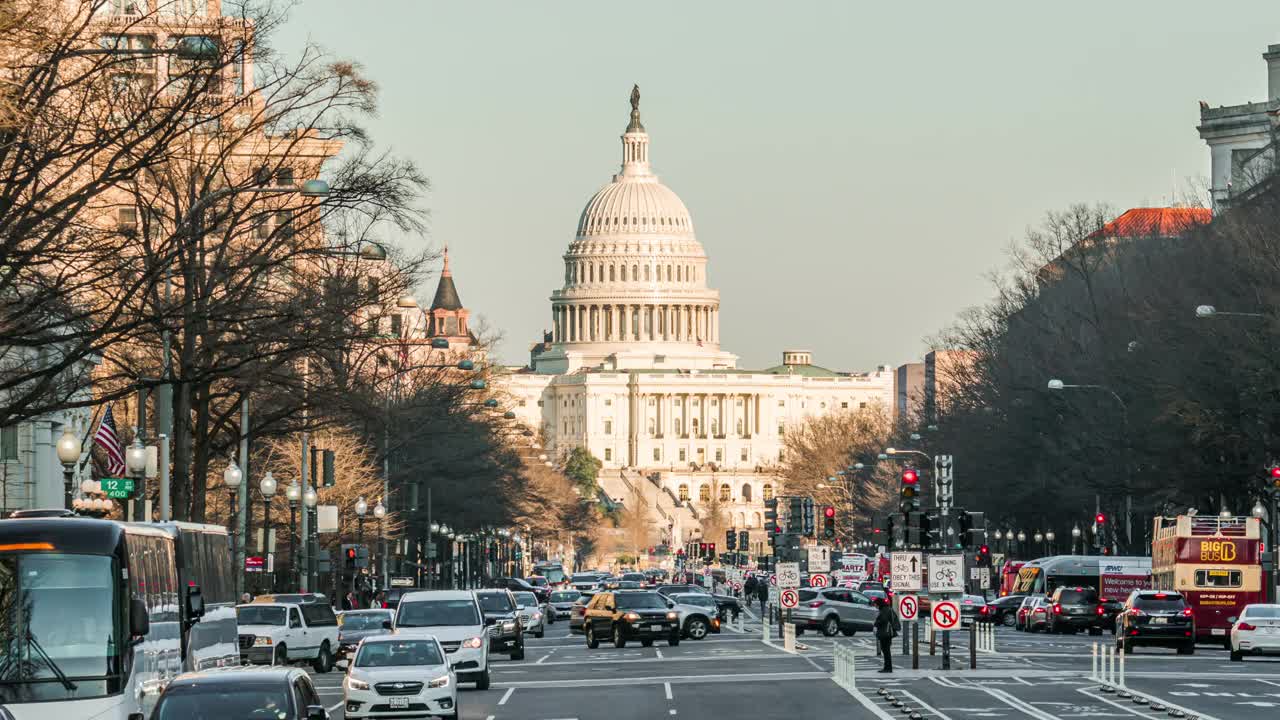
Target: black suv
x=501, y=614
x=1075, y=608
x=630, y=615
x=520, y=585
x=1156, y=617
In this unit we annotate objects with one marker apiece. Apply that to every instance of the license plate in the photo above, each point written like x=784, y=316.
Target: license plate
x=1218, y=631
x=399, y=702
x=1159, y=621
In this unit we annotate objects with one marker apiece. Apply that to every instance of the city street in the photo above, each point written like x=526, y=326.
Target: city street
x=737, y=675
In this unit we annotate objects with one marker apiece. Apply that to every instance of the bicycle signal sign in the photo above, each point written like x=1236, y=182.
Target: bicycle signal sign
x=946, y=615
x=946, y=573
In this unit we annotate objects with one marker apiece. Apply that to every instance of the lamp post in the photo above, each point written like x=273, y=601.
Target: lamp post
x=68, y=455
x=380, y=512
x=267, y=486
x=1039, y=538
x=309, y=500
x=1075, y=536
x=135, y=463
x=231, y=479
x=1049, y=537
x=294, y=494
x=362, y=507
x=1058, y=385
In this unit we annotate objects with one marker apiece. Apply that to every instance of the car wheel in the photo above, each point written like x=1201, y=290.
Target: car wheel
x=1188, y=649
x=540, y=634
x=1008, y=620
x=280, y=656
x=324, y=661
x=674, y=638
x=518, y=653
x=592, y=642
x=1237, y=656
x=647, y=642
x=831, y=626
x=696, y=628
x=483, y=682
x=618, y=640
x=551, y=619
x=848, y=632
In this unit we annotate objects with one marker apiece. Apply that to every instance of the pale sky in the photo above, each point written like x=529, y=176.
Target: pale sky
x=853, y=169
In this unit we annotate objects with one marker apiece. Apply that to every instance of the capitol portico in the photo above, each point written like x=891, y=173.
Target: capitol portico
x=632, y=367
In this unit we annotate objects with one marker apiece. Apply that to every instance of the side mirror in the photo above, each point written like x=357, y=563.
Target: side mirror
x=139, y=620
x=317, y=712
x=195, y=602
x=386, y=624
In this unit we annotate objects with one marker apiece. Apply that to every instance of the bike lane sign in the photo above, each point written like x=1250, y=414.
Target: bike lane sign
x=946, y=574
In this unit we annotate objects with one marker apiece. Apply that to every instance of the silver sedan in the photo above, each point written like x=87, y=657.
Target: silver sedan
x=532, y=615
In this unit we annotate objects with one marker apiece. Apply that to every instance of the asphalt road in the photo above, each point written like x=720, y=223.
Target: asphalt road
x=736, y=676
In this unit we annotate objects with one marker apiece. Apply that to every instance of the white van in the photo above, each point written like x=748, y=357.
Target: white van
x=455, y=619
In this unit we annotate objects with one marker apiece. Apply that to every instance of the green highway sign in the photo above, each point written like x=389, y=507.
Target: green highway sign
x=118, y=488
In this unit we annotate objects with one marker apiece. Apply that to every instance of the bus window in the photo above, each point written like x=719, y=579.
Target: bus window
x=1218, y=578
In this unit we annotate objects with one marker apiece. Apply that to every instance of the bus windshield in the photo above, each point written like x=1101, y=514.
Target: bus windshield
x=553, y=573
x=60, y=625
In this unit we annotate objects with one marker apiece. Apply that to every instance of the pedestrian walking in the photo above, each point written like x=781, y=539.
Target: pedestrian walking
x=246, y=598
x=749, y=588
x=762, y=592
x=887, y=628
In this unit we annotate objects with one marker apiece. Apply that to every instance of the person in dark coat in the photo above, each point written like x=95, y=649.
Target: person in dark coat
x=749, y=588
x=762, y=592
x=887, y=628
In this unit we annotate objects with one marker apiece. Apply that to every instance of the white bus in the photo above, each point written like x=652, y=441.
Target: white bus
x=96, y=617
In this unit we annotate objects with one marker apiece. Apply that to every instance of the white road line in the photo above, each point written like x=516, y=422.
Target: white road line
x=1019, y=704
x=924, y=704
x=675, y=680
x=1127, y=708
x=543, y=659
x=490, y=717
x=506, y=696
x=666, y=687
x=1277, y=684
x=659, y=653
x=1024, y=682
x=335, y=707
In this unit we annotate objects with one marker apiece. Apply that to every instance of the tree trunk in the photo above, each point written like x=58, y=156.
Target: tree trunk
x=200, y=460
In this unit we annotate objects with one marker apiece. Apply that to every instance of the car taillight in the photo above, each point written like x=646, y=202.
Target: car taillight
x=1136, y=612
x=1101, y=610
x=984, y=610
x=1057, y=609
x=1186, y=612
x=815, y=604
x=1246, y=626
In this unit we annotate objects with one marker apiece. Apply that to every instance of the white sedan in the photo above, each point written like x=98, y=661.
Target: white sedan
x=394, y=676
x=532, y=615
x=1256, y=632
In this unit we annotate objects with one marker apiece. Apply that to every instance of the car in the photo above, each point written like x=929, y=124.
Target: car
x=635, y=577
x=587, y=582
x=681, y=588
x=395, y=676
x=834, y=611
x=623, y=585
x=630, y=615
x=696, y=613
x=1256, y=631
x=561, y=604
x=970, y=608
x=1111, y=608
x=394, y=594
x=1033, y=614
x=1002, y=611
x=454, y=618
x=532, y=618
x=1024, y=609
x=518, y=585
x=578, y=614
x=279, y=693
x=875, y=595
x=1160, y=618
x=728, y=607
x=538, y=581
x=356, y=625
x=284, y=633
x=295, y=598
x=1075, y=608
x=501, y=614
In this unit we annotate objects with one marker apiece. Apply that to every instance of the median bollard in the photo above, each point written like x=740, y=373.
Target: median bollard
x=789, y=638
x=1120, y=677
x=933, y=639
x=973, y=646
x=915, y=645
x=1093, y=669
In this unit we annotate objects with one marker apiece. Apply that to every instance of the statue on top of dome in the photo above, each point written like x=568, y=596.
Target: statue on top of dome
x=635, y=110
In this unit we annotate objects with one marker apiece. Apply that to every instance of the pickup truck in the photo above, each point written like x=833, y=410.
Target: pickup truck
x=286, y=633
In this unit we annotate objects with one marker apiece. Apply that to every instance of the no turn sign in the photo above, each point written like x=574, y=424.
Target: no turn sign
x=790, y=598
x=946, y=615
x=818, y=581
x=737, y=586
x=908, y=607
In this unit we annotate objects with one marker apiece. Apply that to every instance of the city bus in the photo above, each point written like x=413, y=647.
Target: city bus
x=1009, y=575
x=1113, y=577
x=97, y=616
x=1214, y=562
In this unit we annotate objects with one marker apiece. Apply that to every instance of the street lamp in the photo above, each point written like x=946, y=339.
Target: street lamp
x=231, y=479
x=1075, y=535
x=68, y=455
x=294, y=494
x=135, y=462
x=380, y=512
x=1224, y=513
x=1049, y=537
x=362, y=507
x=266, y=486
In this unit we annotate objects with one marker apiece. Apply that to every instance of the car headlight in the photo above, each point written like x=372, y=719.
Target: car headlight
x=508, y=625
x=537, y=616
x=442, y=681
x=354, y=684
x=671, y=616
x=631, y=617
x=262, y=641
x=472, y=643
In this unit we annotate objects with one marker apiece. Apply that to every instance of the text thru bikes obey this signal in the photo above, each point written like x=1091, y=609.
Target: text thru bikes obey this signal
x=946, y=615
x=789, y=598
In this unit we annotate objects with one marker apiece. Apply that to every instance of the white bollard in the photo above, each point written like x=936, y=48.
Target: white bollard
x=1121, y=677
x=1108, y=675
x=1093, y=669
x=789, y=638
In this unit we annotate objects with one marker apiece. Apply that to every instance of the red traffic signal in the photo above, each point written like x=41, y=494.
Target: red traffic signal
x=1275, y=472
x=828, y=511
x=702, y=548
x=351, y=553
x=984, y=550
x=1100, y=518
x=910, y=477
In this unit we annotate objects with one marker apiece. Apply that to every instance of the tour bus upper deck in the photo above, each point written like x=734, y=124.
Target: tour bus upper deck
x=1215, y=562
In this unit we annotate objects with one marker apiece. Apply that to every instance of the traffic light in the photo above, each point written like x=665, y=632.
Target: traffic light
x=917, y=529
x=326, y=465
x=973, y=527
x=806, y=511
x=909, y=491
x=711, y=551
x=744, y=540
x=702, y=550
x=730, y=540
x=1100, y=519
x=828, y=522
x=795, y=513
x=349, y=557
x=771, y=514
x=982, y=557
x=1275, y=477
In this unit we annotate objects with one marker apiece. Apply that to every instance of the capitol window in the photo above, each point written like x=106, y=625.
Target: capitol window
x=657, y=455
x=684, y=489
x=782, y=403
x=676, y=427
x=682, y=455
x=861, y=405
x=725, y=492
x=739, y=428
x=704, y=492
x=715, y=427
x=767, y=492
x=608, y=453
x=744, y=454
x=611, y=274
x=653, y=427
x=635, y=272
x=746, y=492
x=608, y=427
x=653, y=402
x=782, y=429
x=646, y=273
x=624, y=273
x=844, y=405
x=608, y=402
x=719, y=455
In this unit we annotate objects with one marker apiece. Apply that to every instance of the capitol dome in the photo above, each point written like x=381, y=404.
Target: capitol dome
x=635, y=275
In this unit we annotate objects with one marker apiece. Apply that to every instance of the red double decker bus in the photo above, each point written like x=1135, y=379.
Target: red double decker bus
x=1215, y=562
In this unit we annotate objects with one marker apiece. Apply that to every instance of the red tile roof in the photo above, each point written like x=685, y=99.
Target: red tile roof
x=1155, y=222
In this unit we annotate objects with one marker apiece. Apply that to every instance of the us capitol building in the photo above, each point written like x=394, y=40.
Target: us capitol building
x=632, y=368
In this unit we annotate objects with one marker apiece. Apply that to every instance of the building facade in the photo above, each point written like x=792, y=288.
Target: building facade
x=1242, y=138
x=633, y=370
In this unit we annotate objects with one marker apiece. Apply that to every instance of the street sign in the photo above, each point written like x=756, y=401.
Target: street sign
x=946, y=573
x=254, y=563
x=819, y=559
x=788, y=575
x=984, y=578
x=773, y=580
x=737, y=586
x=908, y=607
x=904, y=570
x=790, y=598
x=946, y=615
x=118, y=488
x=818, y=581
x=402, y=581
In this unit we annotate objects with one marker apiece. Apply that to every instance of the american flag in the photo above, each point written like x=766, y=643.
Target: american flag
x=109, y=441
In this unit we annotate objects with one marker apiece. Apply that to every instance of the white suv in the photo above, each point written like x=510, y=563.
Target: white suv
x=454, y=618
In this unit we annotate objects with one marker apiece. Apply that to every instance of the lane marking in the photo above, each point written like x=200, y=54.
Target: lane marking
x=491, y=717
x=659, y=651
x=1129, y=709
x=543, y=659
x=666, y=687
x=924, y=704
x=1277, y=684
x=506, y=696
x=675, y=680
